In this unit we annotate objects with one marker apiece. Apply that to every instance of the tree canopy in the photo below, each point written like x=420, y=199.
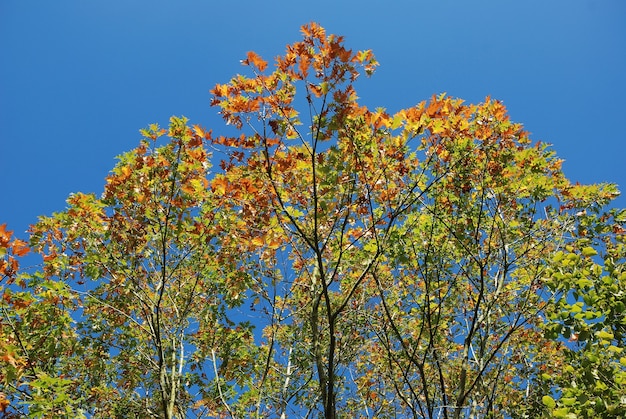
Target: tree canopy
x=322, y=259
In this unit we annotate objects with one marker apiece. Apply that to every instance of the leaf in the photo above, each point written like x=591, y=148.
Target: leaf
x=604, y=335
x=256, y=60
x=563, y=412
x=19, y=247
x=589, y=251
x=548, y=401
x=7, y=357
x=258, y=241
x=4, y=403
x=219, y=185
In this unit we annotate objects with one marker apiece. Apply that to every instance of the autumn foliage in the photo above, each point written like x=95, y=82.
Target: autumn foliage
x=337, y=262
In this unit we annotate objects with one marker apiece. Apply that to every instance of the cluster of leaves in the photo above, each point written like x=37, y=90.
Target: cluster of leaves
x=35, y=334
x=589, y=281
x=340, y=262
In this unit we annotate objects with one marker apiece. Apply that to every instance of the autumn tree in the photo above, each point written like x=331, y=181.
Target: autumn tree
x=35, y=336
x=340, y=262
x=153, y=308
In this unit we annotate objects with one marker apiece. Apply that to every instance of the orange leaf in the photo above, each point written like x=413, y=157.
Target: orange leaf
x=4, y=403
x=198, y=130
x=9, y=358
x=274, y=243
x=20, y=248
x=256, y=60
x=5, y=235
x=219, y=185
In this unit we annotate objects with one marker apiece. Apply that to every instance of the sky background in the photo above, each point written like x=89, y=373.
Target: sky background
x=79, y=78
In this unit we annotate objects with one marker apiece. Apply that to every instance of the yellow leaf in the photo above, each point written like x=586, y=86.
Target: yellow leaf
x=437, y=127
x=258, y=241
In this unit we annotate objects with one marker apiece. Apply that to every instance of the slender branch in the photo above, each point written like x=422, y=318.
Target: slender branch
x=219, y=386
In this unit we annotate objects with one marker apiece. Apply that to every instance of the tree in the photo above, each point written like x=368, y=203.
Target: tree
x=340, y=262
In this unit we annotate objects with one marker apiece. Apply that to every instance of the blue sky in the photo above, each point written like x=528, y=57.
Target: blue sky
x=79, y=78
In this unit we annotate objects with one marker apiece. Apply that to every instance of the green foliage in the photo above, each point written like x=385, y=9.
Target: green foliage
x=588, y=280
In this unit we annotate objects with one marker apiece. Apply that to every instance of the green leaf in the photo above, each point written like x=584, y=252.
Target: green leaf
x=370, y=247
x=548, y=401
x=577, y=307
x=589, y=251
x=563, y=412
x=604, y=335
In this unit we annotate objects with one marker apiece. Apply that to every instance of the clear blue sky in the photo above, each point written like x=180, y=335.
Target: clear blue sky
x=79, y=78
